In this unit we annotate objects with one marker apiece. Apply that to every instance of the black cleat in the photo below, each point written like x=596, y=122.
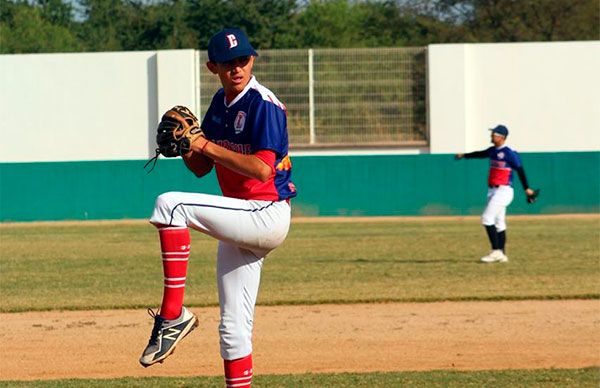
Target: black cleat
x=166, y=335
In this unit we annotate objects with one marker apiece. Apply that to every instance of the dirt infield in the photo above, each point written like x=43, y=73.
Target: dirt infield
x=320, y=338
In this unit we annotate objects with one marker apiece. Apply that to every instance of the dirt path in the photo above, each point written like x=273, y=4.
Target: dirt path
x=321, y=338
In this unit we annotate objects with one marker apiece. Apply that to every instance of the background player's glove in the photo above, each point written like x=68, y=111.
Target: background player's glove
x=531, y=198
x=176, y=132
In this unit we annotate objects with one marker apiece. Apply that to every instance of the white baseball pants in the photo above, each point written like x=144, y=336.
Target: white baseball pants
x=498, y=199
x=247, y=230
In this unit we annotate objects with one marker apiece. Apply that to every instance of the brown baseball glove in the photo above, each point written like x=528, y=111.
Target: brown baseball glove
x=177, y=130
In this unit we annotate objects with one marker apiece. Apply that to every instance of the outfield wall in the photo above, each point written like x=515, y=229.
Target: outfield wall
x=368, y=185
x=77, y=128
x=105, y=106
x=90, y=106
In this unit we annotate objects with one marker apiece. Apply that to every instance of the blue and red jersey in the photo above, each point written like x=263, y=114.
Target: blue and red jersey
x=503, y=161
x=255, y=122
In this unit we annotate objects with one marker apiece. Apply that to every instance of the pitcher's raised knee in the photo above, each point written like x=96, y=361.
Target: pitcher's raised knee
x=166, y=210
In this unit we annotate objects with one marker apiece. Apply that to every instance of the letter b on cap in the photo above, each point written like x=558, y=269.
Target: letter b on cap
x=232, y=40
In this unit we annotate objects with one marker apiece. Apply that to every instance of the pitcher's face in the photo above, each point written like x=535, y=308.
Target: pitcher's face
x=234, y=74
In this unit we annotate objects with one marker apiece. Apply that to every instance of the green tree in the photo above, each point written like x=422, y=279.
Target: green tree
x=162, y=25
x=371, y=23
x=329, y=23
x=527, y=20
x=388, y=23
x=113, y=25
x=56, y=12
x=30, y=28
x=267, y=22
x=103, y=27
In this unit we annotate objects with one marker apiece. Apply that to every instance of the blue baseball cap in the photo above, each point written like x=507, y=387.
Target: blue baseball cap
x=500, y=130
x=228, y=44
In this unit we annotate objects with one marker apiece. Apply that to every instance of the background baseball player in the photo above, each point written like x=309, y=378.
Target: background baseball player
x=245, y=138
x=503, y=160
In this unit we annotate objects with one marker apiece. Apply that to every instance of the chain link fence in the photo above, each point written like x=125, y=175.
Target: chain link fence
x=343, y=97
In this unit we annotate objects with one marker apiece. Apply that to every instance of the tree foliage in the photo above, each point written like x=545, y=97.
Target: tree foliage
x=524, y=20
x=111, y=25
x=32, y=29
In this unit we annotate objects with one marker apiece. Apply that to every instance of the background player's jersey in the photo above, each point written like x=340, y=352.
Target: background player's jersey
x=502, y=162
x=253, y=123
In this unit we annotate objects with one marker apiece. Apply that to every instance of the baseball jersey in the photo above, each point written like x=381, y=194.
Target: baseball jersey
x=502, y=162
x=255, y=122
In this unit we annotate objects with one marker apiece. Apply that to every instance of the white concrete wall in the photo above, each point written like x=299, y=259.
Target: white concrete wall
x=90, y=106
x=547, y=94
x=105, y=106
x=177, y=79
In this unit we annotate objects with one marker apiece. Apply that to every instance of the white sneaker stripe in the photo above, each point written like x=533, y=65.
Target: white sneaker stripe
x=176, y=253
x=181, y=259
x=175, y=279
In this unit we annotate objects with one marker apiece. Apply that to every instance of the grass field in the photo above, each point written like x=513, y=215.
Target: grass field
x=117, y=265
x=587, y=377
x=102, y=266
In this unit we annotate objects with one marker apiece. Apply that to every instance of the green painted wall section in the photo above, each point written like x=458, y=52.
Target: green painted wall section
x=328, y=186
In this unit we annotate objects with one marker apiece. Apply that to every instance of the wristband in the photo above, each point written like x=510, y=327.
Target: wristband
x=203, y=147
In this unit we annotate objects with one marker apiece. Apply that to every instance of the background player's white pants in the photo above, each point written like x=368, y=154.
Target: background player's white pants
x=498, y=199
x=247, y=230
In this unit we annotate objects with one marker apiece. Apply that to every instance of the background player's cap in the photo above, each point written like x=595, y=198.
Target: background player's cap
x=500, y=130
x=228, y=44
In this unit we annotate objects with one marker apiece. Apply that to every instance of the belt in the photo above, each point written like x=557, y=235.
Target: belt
x=493, y=186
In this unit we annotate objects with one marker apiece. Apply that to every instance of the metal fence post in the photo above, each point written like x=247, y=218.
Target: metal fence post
x=311, y=98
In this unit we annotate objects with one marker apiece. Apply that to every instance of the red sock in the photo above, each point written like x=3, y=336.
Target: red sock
x=238, y=373
x=175, y=247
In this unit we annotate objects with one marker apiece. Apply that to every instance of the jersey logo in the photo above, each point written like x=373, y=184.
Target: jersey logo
x=232, y=40
x=239, y=122
x=500, y=155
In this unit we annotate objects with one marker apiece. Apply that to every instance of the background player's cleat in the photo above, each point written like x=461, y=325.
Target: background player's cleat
x=496, y=256
x=166, y=334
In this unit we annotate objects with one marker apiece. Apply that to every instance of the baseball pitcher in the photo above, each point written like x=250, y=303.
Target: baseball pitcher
x=244, y=137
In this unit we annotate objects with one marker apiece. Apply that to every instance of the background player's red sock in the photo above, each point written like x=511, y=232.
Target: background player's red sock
x=175, y=247
x=238, y=373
